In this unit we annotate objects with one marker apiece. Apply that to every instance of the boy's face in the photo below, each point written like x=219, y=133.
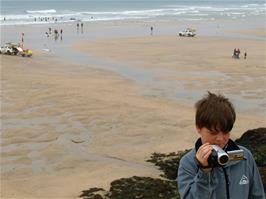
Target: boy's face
x=216, y=138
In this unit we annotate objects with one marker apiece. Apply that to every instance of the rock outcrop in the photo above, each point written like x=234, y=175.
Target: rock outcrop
x=255, y=141
x=165, y=187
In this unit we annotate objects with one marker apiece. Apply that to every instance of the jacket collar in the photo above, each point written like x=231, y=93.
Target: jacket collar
x=231, y=145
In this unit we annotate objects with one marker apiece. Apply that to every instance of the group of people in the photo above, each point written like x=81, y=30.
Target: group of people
x=236, y=54
x=46, y=19
x=55, y=33
x=81, y=26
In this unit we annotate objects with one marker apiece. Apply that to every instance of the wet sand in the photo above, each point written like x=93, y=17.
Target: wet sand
x=69, y=124
x=184, y=68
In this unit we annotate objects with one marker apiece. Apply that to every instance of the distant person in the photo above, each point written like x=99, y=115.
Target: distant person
x=81, y=25
x=56, y=34
x=245, y=55
x=234, y=51
x=151, y=30
x=238, y=52
x=77, y=27
x=218, y=28
x=202, y=177
x=61, y=34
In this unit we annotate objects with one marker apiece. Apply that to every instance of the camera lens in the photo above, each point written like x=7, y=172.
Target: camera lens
x=218, y=157
x=223, y=159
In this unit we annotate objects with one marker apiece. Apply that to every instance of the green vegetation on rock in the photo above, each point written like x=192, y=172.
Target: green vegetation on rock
x=168, y=163
x=255, y=141
x=166, y=188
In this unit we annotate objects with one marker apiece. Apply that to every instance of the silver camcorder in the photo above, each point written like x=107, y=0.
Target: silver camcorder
x=219, y=157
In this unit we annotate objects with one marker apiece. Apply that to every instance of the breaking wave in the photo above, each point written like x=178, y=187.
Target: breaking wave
x=41, y=11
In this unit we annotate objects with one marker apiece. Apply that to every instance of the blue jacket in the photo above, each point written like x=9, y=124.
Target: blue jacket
x=244, y=181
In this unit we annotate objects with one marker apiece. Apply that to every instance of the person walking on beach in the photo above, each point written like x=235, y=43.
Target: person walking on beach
x=245, y=55
x=238, y=52
x=56, y=34
x=200, y=175
x=234, y=54
x=77, y=27
x=61, y=34
x=151, y=30
x=81, y=25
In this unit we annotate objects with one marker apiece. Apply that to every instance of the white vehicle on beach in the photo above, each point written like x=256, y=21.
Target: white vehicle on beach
x=15, y=49
x=11, y=49
x=6, y=50
x=187, y=33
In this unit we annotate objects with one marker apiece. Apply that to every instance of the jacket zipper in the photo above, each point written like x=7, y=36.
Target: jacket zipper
x=226, y=183
x=209, y=175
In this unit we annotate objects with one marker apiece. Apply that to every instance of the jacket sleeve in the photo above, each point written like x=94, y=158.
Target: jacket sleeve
x=192, y=182
x=256, y=187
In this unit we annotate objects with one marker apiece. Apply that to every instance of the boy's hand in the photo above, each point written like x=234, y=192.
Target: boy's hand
x=203, y=154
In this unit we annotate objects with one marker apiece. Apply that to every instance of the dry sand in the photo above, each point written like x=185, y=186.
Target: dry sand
x=69, y=127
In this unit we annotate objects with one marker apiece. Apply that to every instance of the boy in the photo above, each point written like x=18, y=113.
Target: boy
x=215, y=117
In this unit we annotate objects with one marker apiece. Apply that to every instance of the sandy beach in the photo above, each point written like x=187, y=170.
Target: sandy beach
x=95, y=111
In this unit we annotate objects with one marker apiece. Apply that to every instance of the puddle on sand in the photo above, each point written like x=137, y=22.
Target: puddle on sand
x=155, y=86
x=66, y=138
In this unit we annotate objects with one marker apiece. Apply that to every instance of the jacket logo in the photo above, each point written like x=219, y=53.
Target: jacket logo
x=244, y=180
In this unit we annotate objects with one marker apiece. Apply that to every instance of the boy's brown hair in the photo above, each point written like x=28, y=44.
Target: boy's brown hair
x=215, y=112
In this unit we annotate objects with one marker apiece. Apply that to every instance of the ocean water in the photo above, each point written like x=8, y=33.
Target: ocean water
x=15, y=12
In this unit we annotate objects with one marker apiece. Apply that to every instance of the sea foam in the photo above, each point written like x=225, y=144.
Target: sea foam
x=41, y=11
